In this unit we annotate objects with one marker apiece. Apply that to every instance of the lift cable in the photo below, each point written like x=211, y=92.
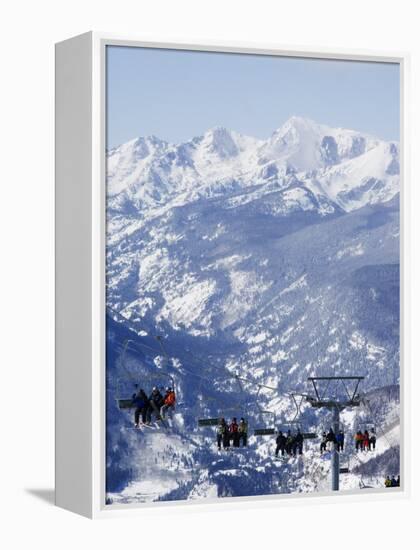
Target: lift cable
x=226, y=374
x=240, y=379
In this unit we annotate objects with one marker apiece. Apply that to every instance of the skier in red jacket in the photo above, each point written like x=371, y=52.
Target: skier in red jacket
x=168, y=402
x=366, y=439
x=234, y=434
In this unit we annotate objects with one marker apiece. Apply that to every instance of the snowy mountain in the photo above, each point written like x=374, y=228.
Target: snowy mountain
x=269, y=259
x=339, y=168
x=225, y=237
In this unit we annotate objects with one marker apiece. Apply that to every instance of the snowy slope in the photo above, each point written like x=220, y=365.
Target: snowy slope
x=312, y=299
x=182, y=462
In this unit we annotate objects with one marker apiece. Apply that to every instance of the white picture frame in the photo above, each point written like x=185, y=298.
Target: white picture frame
x=80, y=267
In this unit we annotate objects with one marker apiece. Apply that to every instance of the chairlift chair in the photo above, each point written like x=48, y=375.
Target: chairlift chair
x=147, y=382
x=370, y=426
x=345, y=469
x=222, y=413
x=269, y=428
x=212, y=422
x=326, y=426
x=146, y=378
x=295, y=426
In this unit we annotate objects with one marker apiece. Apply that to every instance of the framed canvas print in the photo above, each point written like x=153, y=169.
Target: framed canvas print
x=229, y=274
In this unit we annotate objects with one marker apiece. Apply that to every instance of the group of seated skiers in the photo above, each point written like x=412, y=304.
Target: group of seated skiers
x=392, y=481
x=290, y=444
x=232, y=433
x=331, y=440
x=365, y=441
x=158, y=403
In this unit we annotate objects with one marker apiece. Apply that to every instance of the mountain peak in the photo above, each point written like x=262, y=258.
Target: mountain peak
x=297, y=125
x=151, y=140
x=218, y=130
x=220, y=141
x=300, y=121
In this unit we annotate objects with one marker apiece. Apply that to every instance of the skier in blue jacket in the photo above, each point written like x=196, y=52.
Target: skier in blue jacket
x=140, y=402
x=340, y=441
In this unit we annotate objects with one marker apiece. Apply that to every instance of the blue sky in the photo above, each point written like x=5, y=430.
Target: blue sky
x=177, y=95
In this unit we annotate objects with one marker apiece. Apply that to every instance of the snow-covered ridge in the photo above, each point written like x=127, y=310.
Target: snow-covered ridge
x=340, y=168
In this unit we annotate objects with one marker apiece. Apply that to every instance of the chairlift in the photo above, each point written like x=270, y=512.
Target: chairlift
x=295, y=423
x=284, y=428
x=294, y=428
x=150, y=380
x=345, y=469
x=362, y=484
x=233, y=409
x=264, y=431
x=147, y=377
x=368, y=425
x=326, y=426
x=222, y=413
x=267, y=430
x=204, y=422
x=125, y=403
x=216, y=421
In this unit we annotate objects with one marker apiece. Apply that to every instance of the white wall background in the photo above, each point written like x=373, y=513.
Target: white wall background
x=28, y=30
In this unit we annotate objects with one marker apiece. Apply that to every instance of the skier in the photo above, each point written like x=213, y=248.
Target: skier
x=359, y=441
x=323, y=446
x=340, y=441
x=140, y=402
x=155, y=402
x=387, y=481
x=289, y=442
x=393, y=482
x=365, y=441
x=168, y=402
x=280, y=443
x=331, y=439
x=372, y=441
x=398, y=481
x=226, y=436
x=233, y=430
x=298, y=443
x=243, y=432
x=222, y=428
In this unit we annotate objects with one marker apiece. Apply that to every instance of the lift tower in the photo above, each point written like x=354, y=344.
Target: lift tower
x=336, y=405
